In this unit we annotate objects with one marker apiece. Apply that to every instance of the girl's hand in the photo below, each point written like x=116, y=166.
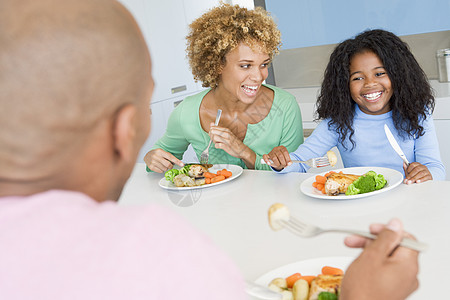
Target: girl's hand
x=224, y=139
x=278, y=158
x=416, y=173
x=160, y=161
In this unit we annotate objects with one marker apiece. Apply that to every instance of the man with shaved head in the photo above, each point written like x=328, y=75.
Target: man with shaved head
x=75, y=87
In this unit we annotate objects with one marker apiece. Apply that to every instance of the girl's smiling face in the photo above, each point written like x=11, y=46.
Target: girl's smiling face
x=370, y=86
x=244, y=72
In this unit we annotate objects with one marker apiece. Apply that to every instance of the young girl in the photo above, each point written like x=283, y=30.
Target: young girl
x=370, y=81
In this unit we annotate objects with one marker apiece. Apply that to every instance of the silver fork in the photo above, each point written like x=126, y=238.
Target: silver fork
x=205, y=154
x=317, y=162
x=308, y=230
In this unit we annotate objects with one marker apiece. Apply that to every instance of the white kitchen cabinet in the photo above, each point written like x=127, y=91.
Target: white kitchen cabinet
x=164, y=26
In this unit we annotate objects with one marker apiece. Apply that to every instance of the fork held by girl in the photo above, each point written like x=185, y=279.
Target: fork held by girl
x=371, y=80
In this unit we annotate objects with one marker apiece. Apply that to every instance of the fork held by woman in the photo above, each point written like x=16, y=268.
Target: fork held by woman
x=204, y=157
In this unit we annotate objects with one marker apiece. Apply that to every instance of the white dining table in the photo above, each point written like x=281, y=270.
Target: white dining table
x=235, y=216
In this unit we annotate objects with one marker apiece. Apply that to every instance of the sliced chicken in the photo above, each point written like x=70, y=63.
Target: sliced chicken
x=338, y=183
x=197, y=171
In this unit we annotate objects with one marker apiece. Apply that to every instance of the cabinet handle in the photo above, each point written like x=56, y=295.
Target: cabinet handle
x=178, y=89
x=175, y=104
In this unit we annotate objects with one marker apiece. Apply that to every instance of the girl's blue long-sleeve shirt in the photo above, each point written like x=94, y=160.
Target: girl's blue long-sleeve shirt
x=372, y=147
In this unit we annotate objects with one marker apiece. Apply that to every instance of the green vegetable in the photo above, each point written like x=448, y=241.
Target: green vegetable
x=369, y=182
x=170, y=174
x=352, y=190
x=380, y=182
x=185, y=169
x=327, y=296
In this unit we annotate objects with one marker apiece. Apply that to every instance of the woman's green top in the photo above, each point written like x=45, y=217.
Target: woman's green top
x=282, y=126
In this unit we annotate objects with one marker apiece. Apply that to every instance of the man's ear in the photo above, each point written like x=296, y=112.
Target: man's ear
x=124, y=132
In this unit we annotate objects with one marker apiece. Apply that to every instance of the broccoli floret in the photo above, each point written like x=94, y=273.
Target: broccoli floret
x=352, y=190
x=170, y=174
x=380, y=182
x=327, y=296
x=368, y=182
x=185, y=169
x=371, y=173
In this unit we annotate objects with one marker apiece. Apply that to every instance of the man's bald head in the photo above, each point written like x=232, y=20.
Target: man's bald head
x=64, y=66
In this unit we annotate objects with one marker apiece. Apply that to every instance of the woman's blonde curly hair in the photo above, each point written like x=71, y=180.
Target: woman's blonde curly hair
x=222, y=29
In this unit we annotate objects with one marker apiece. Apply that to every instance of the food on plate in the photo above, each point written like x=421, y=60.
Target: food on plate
x=300, y=290
x=325, y=283
x=369, y=182
x=183, y=180
x=337, y=183
x=196, y=171
x=332, y=158
x=195, y=175
x=333, y=184
x=325, y=286
x=278, y=212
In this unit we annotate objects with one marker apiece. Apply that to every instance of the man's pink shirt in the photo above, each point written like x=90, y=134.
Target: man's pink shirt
x=64, y=245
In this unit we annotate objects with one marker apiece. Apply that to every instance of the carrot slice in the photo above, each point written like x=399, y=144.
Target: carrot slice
x=320, y=186
x=207, y=180
x=226, y=173
x=314, y=184
x=321, y=179
x=209, y=175
x=327, y=270
x=292, y=279
x=217, y=178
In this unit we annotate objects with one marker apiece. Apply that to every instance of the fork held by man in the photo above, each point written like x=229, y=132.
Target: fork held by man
x=279, y=217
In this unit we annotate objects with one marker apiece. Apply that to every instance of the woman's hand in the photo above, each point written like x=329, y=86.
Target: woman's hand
x=416, y=173
x=160, y=161
x=278, y=158
x=224, y=139
x=383, y=270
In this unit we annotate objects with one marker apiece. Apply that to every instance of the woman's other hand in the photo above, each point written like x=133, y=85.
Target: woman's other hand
x=416, y=173
x=383, y=270
x=278, y=158
x=160, y=161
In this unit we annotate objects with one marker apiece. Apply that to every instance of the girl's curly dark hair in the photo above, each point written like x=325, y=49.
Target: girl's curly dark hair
x=412, y=96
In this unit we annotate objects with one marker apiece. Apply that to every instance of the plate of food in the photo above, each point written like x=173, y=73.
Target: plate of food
x=351, y=183
x=322, y=274
x=197, y=176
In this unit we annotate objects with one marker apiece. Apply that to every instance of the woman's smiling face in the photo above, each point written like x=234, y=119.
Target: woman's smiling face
x=370, y=86
x=244, y=71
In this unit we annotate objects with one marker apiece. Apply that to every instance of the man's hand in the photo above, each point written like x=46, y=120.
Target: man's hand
x=383, y=270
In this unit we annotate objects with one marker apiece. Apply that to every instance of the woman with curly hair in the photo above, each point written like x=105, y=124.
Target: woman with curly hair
x=370, y=81
x=229, y=50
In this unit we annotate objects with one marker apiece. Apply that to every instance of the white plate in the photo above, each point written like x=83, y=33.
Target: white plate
x=306, y=267
x=393, y=178
x=236, y=170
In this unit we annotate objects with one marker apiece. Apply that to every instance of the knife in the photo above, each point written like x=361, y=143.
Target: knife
x=395, y=145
